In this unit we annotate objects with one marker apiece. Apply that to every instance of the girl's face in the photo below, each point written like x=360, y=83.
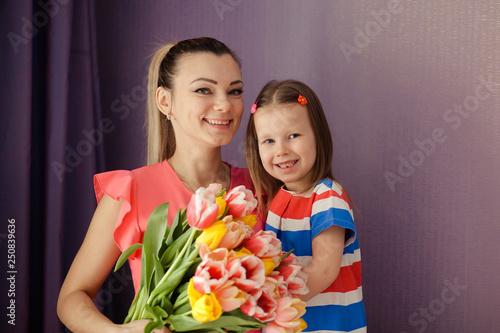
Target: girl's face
x=286, y=142
x=206, y=101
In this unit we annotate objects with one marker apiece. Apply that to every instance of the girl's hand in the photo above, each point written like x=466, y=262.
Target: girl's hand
x=137, y=326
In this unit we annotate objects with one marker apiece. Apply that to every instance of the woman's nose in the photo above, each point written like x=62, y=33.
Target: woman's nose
x=222, y=103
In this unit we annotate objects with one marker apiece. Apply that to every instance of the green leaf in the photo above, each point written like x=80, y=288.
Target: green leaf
x=173, y=231
x=160, y=312
x=125, y=254
x=158, y=272
x=183, y=309
x=166, y=305
x=153, y=239
x=234, y=321
x=171, y=252
x=157, y=322
x=173, y=280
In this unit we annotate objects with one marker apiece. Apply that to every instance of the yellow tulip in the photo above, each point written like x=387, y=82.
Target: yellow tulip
x=222, y=206
x=269, y=265
x=249, y=220
x=213, y=235
x=303, y=325
x=193, y=294
x=243, y=252
x=206, y=309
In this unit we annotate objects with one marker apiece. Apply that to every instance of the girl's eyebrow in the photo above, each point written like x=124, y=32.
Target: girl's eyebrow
x=215, y=82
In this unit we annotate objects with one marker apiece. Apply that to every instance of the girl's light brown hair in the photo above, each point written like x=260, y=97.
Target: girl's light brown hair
x=162, y=72
x=287, y=92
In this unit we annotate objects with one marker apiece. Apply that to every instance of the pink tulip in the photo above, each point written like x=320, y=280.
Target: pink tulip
x=230, y=297
x=294, y=278
x=219, y=254
x=247, y=272
x=214, y=188
x=288, y=313
x=260, y=305
x=240, y=201
x=276, y=285
x=202, y=210
x=209, y=275
x=236, y=232
x=264, y=244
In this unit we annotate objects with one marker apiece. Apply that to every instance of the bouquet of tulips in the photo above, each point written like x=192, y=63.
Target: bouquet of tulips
x=210, y=272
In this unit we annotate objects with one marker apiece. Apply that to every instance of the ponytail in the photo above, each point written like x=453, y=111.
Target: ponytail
x=161, y=139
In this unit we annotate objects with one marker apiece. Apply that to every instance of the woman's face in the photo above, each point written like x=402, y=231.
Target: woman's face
x=206, y=101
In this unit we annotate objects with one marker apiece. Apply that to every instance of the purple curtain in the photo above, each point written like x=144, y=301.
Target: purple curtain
x=50, y=149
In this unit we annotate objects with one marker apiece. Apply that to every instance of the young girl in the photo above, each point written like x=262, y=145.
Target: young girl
x=289, y=152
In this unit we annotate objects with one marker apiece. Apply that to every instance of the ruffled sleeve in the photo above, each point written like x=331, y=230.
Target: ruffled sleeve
x=118, y=185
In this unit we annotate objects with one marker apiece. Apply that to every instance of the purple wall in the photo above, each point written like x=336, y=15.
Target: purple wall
x=414, y=120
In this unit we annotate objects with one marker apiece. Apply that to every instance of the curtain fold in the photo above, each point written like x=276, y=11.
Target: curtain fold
x=15, y=144
x=50, y=147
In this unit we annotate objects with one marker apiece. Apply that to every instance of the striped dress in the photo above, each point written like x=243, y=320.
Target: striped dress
x=296, y=220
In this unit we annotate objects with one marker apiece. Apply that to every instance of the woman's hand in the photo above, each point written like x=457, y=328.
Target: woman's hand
x=137, y=326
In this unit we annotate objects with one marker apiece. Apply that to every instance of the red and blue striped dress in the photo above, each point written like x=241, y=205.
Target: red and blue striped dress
x=297, y=219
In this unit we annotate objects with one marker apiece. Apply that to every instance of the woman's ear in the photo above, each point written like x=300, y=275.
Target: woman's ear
x=164, y=100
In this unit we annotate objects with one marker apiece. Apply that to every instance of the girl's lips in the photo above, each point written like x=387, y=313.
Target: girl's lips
x=286, y=164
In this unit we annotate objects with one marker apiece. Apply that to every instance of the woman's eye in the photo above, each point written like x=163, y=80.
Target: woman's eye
x=202, y=91
x=236, y=92
x=295, y=135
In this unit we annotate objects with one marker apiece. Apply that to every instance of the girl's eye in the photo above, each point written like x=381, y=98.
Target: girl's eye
x=236, y=92
x=268, y=141
x=203, y=91
x=295, y=135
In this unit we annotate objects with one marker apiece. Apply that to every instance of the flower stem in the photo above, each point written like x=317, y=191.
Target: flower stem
x=174, y=265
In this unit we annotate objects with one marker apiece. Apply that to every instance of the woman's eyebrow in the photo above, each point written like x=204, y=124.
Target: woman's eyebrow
x=205, y=79
x=215, y=82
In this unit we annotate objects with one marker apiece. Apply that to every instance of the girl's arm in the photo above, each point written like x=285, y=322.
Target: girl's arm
x=91, y=266
x=327, y=251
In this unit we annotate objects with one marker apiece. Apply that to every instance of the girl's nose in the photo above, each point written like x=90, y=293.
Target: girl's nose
x=282, y=149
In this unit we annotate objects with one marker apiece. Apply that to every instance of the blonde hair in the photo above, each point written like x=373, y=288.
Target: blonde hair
x=286, y=92
x=162, y=71
x=159, y=132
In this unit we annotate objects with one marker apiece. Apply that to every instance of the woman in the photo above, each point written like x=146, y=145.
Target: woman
x=195, y=105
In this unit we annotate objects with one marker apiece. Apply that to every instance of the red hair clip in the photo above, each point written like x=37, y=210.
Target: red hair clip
x=302, y=100
x=253, y=108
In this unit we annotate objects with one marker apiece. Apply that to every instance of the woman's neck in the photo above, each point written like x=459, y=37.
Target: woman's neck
x=200, y=168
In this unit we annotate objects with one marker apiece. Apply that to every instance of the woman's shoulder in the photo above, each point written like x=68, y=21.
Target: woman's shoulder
x=126, y=180
x=143, y=171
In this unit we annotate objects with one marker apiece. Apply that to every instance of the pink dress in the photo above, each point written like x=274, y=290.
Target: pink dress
x=143, y=190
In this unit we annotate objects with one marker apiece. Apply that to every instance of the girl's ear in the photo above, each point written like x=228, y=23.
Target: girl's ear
x=164, y=100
